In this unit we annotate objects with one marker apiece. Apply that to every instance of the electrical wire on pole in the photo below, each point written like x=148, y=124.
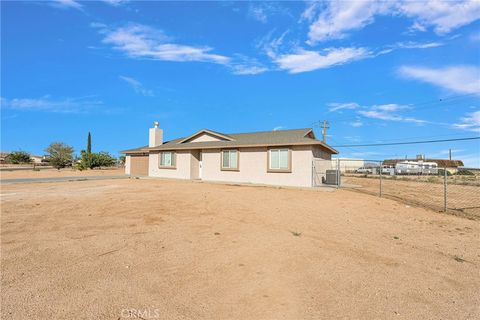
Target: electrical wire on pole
x=404, y=143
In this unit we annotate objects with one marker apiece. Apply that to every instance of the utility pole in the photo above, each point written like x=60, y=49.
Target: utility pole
x=326, y=126
x=450, y=154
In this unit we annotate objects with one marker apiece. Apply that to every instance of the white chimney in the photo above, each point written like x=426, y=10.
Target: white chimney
x=155, y=135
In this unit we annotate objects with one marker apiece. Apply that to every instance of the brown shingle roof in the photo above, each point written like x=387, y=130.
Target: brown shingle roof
x=251, y=139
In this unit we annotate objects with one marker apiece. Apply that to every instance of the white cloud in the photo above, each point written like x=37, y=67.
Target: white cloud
x=278, y=128
x=356, y=123
x=311, y=11
x=390, y=107
x=66, y=4
x=271, y=45
x=137, y=86
x=463, y=79
x=46, y=104
x=242, y=69
x=417, y=27
x=304, y=60
x=389, y=112
x=115, y=3
x=139, y=41
x=338, y=18
x=257, y=12
x=470, y=122
x=261, y=11
x=443, y=16
x=386, y=112
x=417, y=45
x=243, y=65
x=335, y=106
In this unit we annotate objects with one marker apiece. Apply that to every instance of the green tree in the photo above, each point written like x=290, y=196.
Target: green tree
x=17, y=157
x=60, y=154
x=89, y=143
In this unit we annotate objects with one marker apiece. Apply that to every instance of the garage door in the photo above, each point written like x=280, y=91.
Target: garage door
x=139, y=165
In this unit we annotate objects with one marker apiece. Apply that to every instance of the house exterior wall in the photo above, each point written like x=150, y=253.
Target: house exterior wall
x=181, y=170
x=128, y=161
x=253, y=167
x=320, y=153
x=194, y=165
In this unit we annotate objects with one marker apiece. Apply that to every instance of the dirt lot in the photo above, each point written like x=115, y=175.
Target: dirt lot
x=188, y=250
x=53, y=173
x=462, y=200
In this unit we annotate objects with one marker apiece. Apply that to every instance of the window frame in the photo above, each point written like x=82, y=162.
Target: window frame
x=289, y=160
x=222, y=168
x=174, y=160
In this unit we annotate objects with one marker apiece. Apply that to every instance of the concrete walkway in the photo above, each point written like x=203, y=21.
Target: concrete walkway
x=59, y=179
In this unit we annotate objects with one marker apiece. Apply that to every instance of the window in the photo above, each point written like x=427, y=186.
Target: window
x=229, y=160
x=279, y=160
x=167, y=159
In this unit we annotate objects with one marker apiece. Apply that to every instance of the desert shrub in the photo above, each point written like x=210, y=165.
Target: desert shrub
x=95, y=160
x=432, y=179
x=463, y=172
x=18, y=157
x=441, y=172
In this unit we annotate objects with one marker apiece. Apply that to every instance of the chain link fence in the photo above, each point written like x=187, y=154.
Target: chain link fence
x=451, y=190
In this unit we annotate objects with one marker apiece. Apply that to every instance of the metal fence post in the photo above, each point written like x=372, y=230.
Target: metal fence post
x=445, y=189
x=313, y=173
x=381, y=168
x=338, y=172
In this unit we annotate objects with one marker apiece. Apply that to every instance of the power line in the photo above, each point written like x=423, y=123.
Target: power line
x=406, y=138
x=403, y=143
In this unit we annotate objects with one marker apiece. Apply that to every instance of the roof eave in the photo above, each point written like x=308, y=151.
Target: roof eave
x=197, y=147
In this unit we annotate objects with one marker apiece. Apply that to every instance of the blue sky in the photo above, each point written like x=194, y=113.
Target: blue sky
x=378, y=71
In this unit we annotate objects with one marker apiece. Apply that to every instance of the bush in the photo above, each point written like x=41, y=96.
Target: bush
x=18, y=157
x=60, y=155
x=441, y=172
x=96, y=160
x=463, y=172
x=103, y=159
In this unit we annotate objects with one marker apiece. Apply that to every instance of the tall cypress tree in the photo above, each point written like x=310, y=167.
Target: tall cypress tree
x=89, y=143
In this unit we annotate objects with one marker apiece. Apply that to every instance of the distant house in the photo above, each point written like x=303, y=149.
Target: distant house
x=37, y=159
x=282, y=157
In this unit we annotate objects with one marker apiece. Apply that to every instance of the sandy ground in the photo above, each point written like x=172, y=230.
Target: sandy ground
x=53, y=173
x=188, y=250
x=463, y=200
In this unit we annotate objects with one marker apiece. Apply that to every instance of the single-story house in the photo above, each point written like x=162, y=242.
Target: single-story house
x=283, y=157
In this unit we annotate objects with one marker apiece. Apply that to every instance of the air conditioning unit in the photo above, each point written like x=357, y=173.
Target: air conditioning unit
x=332, y=177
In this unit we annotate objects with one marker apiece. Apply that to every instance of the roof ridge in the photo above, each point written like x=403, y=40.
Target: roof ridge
x=267, y=131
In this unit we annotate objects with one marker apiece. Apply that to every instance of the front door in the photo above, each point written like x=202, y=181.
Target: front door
x=200, y=166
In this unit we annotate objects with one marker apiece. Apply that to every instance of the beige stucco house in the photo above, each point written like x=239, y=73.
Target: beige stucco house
x=282, y=157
